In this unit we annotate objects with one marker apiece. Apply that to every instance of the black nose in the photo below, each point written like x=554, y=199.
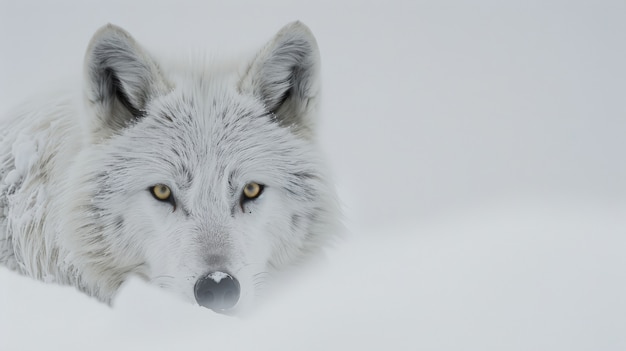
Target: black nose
x=217, y=290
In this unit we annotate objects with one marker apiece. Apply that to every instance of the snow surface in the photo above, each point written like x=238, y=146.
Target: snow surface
x=478, y=147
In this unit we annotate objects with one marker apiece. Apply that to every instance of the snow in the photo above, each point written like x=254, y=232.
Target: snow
x=25, y=151
x=217, y=276
x=478, y=148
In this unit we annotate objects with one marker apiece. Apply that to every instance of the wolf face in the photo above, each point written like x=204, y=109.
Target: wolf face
x=199, y=180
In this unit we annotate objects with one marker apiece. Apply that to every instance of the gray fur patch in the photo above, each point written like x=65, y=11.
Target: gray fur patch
x=284, y=77
x=121, y=79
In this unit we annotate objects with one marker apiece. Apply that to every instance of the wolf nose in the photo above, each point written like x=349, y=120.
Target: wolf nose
x=217, y=290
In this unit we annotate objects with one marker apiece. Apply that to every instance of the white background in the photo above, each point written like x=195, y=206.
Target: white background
x=479, y=149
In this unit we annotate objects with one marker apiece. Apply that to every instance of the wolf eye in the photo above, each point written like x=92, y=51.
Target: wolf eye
x=163, y=193
x=252, y=191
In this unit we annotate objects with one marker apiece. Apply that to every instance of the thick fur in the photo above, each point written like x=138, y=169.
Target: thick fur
x=75, y=205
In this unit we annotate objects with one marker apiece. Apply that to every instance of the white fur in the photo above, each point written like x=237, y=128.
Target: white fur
x=74, y=173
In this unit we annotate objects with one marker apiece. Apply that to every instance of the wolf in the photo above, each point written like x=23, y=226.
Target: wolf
x=205, y=179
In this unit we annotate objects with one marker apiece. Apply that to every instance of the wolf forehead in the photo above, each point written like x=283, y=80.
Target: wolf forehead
x=219, y=125
x=219, y=116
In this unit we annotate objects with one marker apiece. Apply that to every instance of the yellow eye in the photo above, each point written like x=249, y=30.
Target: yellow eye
x=252, y=190
x=161, y=192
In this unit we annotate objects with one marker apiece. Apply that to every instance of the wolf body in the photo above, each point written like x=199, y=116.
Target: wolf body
x=83, y=180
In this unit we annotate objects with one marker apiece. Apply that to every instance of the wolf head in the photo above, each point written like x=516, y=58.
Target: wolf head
x=200, y=180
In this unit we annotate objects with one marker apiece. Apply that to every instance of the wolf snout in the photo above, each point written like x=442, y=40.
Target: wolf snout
x=218, y=291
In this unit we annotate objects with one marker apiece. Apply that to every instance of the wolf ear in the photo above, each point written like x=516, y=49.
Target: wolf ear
x=284, y=75
x=120, y=79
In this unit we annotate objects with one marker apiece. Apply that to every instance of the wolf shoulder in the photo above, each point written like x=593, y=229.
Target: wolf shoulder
x=38, y=140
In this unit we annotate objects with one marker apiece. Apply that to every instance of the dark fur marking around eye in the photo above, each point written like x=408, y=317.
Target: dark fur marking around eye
x=243, y=199
x=170, y=199
x=231, y=188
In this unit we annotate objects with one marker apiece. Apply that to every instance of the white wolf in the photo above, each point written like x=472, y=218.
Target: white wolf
x=200, y=179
